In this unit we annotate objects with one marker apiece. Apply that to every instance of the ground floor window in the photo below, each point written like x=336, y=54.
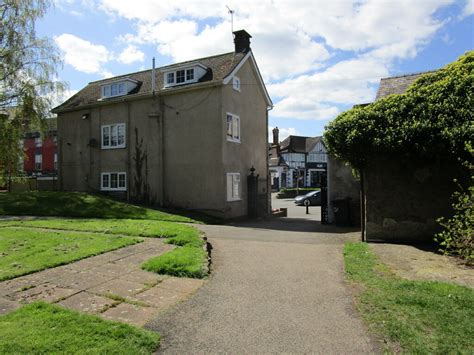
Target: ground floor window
x=233, y=187
x=113, y=182
x=38, y=161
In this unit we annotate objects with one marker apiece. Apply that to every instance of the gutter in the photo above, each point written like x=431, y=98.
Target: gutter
x=165, y=92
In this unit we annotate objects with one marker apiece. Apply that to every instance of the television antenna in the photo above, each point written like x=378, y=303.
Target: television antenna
x=231, y=12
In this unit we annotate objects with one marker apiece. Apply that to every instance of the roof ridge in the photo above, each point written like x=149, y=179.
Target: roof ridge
x=411, y=74
x=158, y=68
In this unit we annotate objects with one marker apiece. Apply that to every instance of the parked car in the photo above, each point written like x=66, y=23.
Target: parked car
x=313, y=198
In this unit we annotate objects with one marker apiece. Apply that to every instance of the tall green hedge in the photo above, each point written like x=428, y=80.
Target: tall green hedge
x=432, y=120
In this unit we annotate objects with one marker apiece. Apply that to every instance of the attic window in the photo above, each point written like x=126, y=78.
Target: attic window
x=184, y=75
x=118, y=88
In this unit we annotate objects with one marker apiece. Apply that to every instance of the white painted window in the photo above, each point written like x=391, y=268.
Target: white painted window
x=317, y=158
x=233, y=127
x=189, y=74
x=236, y=83
x=170, y=78
x=55, y=161
x=113, y=181
x=38, y=161
x=114, y=89
x=233, y=187
x=182, y=75
x=113, y=136
x=38, y=142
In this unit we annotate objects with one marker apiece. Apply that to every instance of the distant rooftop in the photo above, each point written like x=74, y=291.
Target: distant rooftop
x=396, y=84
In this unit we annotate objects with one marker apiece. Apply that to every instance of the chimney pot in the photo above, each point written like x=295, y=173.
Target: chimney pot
x=242, y=41
x=276, y=132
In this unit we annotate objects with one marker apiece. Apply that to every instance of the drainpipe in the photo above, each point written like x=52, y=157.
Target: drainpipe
x=129, y=144
x=161, y=145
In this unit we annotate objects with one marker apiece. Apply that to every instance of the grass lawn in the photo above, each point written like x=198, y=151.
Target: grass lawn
x=187, y=261
x=77, y=204
x=39, y=328
x=25, y=250
x=417, y=316
x=175, y=233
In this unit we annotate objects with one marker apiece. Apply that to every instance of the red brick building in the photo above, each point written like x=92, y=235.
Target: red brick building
x=41, y=154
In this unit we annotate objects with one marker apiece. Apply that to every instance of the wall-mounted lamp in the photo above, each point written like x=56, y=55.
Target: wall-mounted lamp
x=85, y=116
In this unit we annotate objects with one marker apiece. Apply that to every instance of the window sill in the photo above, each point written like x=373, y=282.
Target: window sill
x=235, y=200
x=117, y=147
x=233, y=140
x=117, y=190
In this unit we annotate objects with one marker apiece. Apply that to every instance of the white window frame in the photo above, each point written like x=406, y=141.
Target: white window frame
x=38, y=142
x=55, y=161
x=234, y=191
x=233, y=135
x=109, y=182
x=110, y=130
x=236, y=85
x=114, y=89
x=39, y=160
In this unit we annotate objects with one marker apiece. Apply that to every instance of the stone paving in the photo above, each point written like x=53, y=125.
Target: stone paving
x=111, y=285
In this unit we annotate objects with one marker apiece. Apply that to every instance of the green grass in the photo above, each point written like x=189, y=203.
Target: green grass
x=39, y=328
x=418, y=316
x=77, y=204
x=26, y=250
x=179, y=234
x=187, y=261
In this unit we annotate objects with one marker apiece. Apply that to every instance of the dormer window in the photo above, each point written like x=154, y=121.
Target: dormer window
x=119, y=88
x=182, y=75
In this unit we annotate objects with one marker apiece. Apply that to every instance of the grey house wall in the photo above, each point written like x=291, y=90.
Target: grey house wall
x=403, y=199
x=342, y=184
x=188, y=162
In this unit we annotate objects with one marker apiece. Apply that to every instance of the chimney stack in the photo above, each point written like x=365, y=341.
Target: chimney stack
x=242, y=41
x=276, y=132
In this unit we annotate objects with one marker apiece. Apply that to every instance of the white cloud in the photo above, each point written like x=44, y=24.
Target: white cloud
x=130, y=55
x=83, y=55
x=293, y=41
x=283, y=133
x=468, y=9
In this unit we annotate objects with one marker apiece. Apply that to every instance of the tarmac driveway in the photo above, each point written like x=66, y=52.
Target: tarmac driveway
x=276, y=287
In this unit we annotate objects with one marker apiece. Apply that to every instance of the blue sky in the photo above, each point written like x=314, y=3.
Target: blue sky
x=318, y=58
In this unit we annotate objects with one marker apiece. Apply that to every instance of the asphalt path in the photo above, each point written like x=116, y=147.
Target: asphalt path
x=276, y=287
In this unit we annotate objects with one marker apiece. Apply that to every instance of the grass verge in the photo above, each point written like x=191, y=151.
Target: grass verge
x=26, y=250
x=418, y=316
x=187, y=261
x=78, y=204
x=175, y=233
x=40, y=328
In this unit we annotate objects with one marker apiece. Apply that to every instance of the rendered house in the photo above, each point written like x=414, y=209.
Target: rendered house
x=185, y=135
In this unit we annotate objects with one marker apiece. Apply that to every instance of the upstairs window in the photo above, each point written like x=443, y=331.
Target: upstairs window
x=38, y=161
x=233, y=187
x=113, y=181
x=189, y=74
x=113, y=136
x=184, y=75
x=114, y=89
x=233, y=128
x=236, y=83
x=180, y=77
x=38, y=142
x=55, y=161
x=170, y=78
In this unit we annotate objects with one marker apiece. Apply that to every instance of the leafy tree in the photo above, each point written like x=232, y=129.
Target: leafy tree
x=27, y=76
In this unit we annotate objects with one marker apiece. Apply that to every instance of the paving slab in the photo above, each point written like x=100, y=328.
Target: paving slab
x=7, y=306
x=160, y=297
x=118, y=287
x=46, y=292
x=88, y=303
x=131, y=314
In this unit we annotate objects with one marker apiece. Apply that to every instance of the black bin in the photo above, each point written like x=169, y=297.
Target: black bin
x=342, y=211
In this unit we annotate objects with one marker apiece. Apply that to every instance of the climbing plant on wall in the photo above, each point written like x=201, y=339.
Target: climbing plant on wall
x=432, y=120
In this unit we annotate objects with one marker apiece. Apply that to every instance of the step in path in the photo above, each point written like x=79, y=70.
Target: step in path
x=111, y=285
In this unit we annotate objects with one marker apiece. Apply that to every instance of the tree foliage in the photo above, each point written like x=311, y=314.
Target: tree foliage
x=27, y=76
x=432, y=120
